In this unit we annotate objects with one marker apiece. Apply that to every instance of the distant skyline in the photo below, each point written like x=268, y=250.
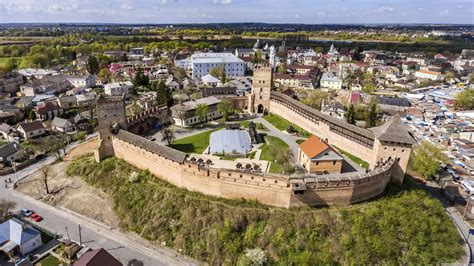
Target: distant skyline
x=225, y=11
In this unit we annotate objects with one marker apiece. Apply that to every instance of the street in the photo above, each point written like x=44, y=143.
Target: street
x=95, y=235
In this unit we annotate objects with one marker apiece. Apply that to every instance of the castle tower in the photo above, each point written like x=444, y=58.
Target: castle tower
x=259, y=99
x=111, y=117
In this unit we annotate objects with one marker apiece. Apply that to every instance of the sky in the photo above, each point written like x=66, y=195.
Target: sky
x=212, y=11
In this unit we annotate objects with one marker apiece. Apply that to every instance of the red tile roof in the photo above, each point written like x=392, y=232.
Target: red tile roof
x=98, y=257
x=313, y=146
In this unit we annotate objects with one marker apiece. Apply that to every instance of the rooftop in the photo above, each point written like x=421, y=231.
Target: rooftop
x=215, y=58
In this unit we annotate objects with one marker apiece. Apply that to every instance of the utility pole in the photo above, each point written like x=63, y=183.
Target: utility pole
x=80, y=235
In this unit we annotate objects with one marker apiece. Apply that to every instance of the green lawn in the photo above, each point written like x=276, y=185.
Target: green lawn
x=269, y=150
x=282, y=124
x=354, y=158
x=299, y=141
x=49, y=261
x=193, y=144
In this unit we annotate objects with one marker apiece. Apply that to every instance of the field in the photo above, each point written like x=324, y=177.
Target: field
x=282, y=124
x=193, y=144
x=404, y=226
x=272, y=146
x=48, y=261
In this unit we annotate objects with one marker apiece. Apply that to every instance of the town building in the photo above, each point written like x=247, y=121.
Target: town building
x=317, y=157
x=87, y=81
x=428, y=74
x=202, y=63
x=18, y=239
x=47, y=110
x=118, y=88
x=30, y=130
x=98, y=257
x=330, y=82
x=185, y=114
x=62, y=125
x=10, y=83
x=294, y=81
x=10, y=153
x=48, y=85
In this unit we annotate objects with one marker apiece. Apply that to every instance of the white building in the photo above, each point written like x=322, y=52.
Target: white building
x=118, y=88
x=202, y=63
x=427, y=74
x=185, y=114
x=87, y=81
x=210, y=80
x=330, y=82
x=17, y=238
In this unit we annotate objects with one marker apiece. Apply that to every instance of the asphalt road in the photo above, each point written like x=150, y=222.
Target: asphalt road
x=95, y=235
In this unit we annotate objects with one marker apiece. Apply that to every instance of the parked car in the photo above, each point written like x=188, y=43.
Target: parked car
x=26, y=212
x=35, y=217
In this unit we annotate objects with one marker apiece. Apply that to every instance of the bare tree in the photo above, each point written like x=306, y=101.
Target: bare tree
x=44, y=178
x=168, y=135
x=181, y=112
x=6, y=208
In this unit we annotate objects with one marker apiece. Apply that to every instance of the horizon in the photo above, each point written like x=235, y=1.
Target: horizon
x=307, y=12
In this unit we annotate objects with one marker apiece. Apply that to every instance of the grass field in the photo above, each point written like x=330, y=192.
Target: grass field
x=269, y=150
x=354, y=158
x=193, y=144
x=282, y=124
x=404, y=226
x=49, y=261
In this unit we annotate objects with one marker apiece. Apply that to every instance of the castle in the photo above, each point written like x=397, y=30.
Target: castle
x=386, y=148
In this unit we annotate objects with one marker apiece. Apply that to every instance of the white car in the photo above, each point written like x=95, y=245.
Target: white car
x=26, y=212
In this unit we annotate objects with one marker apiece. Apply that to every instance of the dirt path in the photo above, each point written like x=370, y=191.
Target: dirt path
x=82, y=149
x=71, y=193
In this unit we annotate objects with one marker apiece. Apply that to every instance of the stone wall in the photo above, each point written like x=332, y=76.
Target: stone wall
x=270, y=189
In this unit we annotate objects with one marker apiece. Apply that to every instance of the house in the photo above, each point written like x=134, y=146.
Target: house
x=10, y=83
x=294, y=81
x=428, y=74
x=330, y=82
x=87, y=81
x=10, y=153
x=185, y=114
x=98, y=257
x=8, y=132
x=31, y=130
x=118, y=88
x=18, y=239
x=47, y=110
x=48, y=85
x=210, y=80
x=318, y=157
x=62, y=125
x=172, y=84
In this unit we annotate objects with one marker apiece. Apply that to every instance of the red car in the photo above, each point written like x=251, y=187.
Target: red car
x=35, y=217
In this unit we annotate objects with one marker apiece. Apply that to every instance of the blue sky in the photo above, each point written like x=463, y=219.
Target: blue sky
x=202, y=11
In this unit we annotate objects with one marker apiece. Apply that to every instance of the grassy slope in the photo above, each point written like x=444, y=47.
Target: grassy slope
x=405, y=226
x=282, y=124
x=354, y=158
x=193, y=144
x=268, y=152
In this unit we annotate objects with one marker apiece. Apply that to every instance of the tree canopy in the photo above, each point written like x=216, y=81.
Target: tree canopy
x=464, y=100
x=427, y=159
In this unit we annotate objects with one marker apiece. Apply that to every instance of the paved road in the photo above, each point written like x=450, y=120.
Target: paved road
x=122, y=246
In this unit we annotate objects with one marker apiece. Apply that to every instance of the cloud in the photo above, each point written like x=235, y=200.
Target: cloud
x=444, y=12
x=55, y=8
x=385, y=9
x=222, y=2
x=126, y=7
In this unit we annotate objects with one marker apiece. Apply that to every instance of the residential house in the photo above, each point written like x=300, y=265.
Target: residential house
x=428, y=74
x=210, y=80
x=8, y=132
x=87, y=81
x=118, y=88
x=47, y=110
x=31, y=130
x=185, y=114
x=10, y=83
x=330, y=82
x=38, y=73
x=294, y=81
x=317, y=157
x=98, y=257
x=10, y=153
x=62, y=125
x=18, y=239
x=48, y=85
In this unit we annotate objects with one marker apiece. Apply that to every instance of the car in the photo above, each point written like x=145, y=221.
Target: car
x=26, y=212
x=35, y=217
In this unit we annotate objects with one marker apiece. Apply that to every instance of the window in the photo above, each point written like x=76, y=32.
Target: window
x=317, y=163
x=334, y=163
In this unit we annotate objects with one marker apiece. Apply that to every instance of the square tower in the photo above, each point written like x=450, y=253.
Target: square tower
x=259, y=99
x=111, y=116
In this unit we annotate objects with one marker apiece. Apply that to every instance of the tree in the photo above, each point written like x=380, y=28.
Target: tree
x=181, y=112
x=163, y=93
x=225, y=108
x=93, y=65
x=32, y=115
x=282, y=69
x=223, y=76
x=140, y=79
x=44, y=179
x=215, y=72
x=105, y=74
x=6, y=208
x=427, y=159
x=315, y=99
x=369, y=86
x=350, y=115
x=257, y=58
x=464, y=99
x=371, y=117
x=168, y=135
x=201, y=111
